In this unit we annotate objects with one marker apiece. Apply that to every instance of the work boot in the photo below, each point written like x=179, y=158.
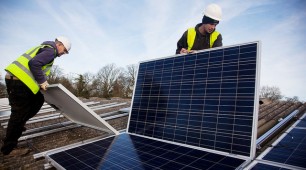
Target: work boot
x=7, y=148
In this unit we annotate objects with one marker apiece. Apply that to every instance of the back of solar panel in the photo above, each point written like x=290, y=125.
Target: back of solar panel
x=207, y=99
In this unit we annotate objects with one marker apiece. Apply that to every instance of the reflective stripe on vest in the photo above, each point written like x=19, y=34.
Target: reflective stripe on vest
x=191, y=34
x=20, y=68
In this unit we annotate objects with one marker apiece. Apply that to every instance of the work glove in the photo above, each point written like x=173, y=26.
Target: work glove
x=44, y=85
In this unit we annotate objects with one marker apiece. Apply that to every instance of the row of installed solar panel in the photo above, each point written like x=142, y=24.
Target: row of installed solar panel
x=183, y=106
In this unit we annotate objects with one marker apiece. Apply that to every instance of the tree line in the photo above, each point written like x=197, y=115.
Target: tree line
x=273, y=93
x=109, y=81
x=112, y=81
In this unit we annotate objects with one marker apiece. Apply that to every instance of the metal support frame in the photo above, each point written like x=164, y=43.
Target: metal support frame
x=67, y=125
x=57, y=115
x=269, y=133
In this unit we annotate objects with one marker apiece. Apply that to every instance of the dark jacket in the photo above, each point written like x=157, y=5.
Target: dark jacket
x=44, y=56
x=201, y=41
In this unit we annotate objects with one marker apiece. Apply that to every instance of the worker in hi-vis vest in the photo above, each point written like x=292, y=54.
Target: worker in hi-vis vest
x=204, y=35
x=24, y=79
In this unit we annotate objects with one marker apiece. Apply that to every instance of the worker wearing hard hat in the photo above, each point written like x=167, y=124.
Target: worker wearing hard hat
x=25, y=77
x=204, y=35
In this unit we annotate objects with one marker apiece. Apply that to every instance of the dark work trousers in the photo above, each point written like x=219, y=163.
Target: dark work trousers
x=24, y=105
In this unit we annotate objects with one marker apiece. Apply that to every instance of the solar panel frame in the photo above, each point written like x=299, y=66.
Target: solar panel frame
x=256, y=165
x=165, y=76
x=74, y=109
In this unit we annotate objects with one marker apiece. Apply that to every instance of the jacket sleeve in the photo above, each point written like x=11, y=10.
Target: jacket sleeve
x=218, y=42
x=43, y=57
x=182, y=43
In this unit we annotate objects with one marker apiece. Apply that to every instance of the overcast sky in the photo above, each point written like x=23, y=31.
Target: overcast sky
x=125, y=32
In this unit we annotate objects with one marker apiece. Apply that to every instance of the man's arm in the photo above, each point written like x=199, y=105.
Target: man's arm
x=218, y=42
x=45, y=56
x=182, y=43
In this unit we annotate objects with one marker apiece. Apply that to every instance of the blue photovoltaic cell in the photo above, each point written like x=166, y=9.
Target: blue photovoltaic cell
x=261, y=166
x=302, y=123
x=290, y=150
x=204, y=99
x=126, y=151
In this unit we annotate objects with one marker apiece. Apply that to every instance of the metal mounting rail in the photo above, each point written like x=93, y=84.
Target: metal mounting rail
x=67, y=125
x=57, y=115
x=269, y=133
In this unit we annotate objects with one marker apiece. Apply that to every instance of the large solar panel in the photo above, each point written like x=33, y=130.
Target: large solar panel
x=74, y=109
x=207, y=99
x=126, y=151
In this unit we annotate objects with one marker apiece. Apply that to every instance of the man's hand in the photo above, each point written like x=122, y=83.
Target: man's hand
x=44, y=85
x=185, y=51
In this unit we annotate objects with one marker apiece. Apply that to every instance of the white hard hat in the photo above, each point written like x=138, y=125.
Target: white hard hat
x=213, y=11
x=65, y=42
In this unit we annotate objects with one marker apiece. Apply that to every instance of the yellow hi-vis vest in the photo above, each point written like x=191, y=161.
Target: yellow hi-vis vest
x=20, y=68
x=191, y=34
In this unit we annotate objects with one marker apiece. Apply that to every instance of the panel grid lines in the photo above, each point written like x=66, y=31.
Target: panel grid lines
x=204, y=99
x=132, y=152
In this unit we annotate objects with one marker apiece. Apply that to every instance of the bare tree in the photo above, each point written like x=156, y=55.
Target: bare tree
x=272, y=93
x=131, y=77
x=294, y=99
x=82, y=84
x=119, y=86
x=67, y=82
x=105, y=79
x=124, y=84
x=3, y=92
x=95, y=88
x=55, y=74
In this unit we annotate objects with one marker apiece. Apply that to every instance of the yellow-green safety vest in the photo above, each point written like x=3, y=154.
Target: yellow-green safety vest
x=191, y=34
x=20, y=68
